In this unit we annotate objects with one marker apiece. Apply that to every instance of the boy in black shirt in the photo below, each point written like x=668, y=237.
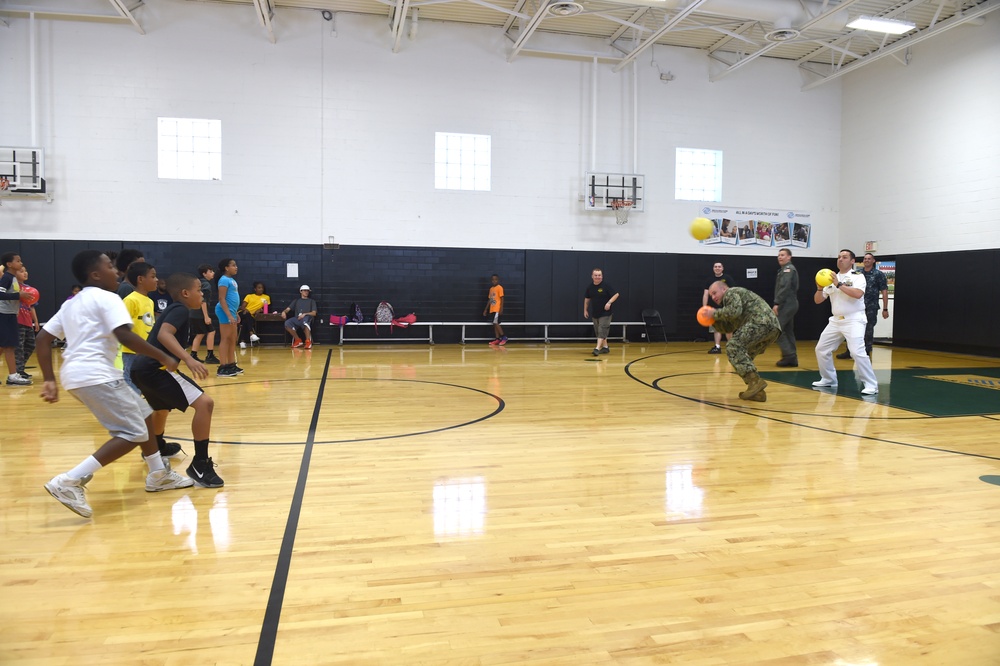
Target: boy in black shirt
x=165, y=390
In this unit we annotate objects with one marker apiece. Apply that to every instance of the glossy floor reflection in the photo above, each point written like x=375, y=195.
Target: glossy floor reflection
x=526, y=504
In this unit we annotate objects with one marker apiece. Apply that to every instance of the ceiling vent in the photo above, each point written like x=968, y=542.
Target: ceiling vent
x=781, y=35
x=564, y=8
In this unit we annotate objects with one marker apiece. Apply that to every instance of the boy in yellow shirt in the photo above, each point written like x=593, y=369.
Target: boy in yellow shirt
x=142, y=276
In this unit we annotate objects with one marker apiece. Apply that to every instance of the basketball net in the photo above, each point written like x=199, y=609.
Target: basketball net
x=621, y=208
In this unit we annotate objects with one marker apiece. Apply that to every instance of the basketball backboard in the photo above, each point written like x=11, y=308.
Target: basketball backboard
x=600, y=190
x=24, y=169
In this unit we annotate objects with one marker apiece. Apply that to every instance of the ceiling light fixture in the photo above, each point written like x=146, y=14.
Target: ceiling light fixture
x=565, y=8
x=888, y=26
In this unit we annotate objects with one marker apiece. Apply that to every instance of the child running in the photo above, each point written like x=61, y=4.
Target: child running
x=93, y=323
x=167, y=389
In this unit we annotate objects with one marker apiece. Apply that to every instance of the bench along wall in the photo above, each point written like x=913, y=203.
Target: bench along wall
x=450, y=284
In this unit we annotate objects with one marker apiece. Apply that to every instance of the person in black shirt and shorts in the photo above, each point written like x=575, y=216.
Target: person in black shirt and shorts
x=597, y=302
x=165, y=390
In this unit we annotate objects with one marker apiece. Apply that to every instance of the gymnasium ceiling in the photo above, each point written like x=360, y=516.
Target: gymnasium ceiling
x=733, y=33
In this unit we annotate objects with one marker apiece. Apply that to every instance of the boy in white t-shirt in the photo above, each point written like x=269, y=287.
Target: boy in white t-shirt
x=93, y=323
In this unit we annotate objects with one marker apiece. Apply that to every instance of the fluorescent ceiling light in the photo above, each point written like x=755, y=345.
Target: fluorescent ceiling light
x=889, y=26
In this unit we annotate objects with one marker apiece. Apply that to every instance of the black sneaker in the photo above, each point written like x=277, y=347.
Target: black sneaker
x=26, y=375
x=202, y=472
x=237, y=369
x=605, y=350
x=844, y=355
x=715, y=350
x=194, y=355
x=225, y=371
x=211, y=359
x=170, y=450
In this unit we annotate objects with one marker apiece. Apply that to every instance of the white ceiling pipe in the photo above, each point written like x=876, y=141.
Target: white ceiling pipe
x=790, y=12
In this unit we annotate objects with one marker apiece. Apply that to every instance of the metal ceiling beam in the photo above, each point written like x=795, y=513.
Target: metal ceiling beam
x=854, y=33
x=264, y=14
x=125, y=12
x=667, y=27
x=510, y=19
x=958, y=19
x=529, y=29
x=831, y=10
x=398, y=21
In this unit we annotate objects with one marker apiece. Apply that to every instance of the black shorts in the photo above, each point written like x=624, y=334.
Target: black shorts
x=199, y=327
x=9, y=335
x=165, y=390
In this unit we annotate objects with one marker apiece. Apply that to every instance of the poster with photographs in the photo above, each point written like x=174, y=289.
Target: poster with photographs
x=760, y=227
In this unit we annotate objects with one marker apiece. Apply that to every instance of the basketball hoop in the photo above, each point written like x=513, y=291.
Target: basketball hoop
x=621, y=208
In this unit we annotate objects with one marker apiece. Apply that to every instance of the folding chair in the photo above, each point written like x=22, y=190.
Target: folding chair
x=654, y=326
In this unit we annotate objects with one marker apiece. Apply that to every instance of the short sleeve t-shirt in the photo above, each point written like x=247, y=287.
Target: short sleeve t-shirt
x=177, y=316
x=140, y=308
x=232, y=293
x=88, y=322
x=599, y=295
x=161, y=301
x=496, y=293
x=302, y=305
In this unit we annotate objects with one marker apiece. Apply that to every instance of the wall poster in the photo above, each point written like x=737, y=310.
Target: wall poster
x=741, y=227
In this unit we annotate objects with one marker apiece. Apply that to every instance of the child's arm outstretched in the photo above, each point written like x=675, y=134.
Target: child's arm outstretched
x=125, y=336
x=168, y=338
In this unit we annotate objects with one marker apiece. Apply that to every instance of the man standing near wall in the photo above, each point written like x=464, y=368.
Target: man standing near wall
x=875, y=286
x=786, y=304
x=597, y=302
x=719, y=275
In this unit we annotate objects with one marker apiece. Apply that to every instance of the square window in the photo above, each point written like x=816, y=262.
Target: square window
x=462, y=161
x=189, y=149
x=698, y=175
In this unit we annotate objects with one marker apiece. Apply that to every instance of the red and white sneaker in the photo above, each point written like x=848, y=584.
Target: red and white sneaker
x=297, y=344
x=495, y=342
x=309, y=344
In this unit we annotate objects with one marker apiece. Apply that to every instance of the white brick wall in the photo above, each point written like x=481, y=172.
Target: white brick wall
x=329, y=135
x=921, y=147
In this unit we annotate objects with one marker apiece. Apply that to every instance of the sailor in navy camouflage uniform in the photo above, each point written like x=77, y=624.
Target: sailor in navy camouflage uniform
x=753, y=325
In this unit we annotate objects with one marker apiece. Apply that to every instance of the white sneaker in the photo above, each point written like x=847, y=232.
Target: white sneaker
x=243, y=345
x=17, y=380
x=869, y=390
x=166, y=479
x=824, y=383
x=254, y=338
x=71, y=493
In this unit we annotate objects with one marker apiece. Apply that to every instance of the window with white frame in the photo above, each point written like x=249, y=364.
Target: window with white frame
x=189, y=149
x=462, y=161
x=698, y=175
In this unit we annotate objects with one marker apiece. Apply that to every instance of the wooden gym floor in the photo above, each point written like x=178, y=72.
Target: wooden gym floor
x=527, y=504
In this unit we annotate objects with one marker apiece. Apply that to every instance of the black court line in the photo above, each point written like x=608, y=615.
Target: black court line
x=269, y=628
x=740, y=410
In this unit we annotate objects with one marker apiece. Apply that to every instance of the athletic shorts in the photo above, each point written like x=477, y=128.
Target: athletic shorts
x=602, y=326
x=299, y=324
x=9, y=336
x=199, y=327
x=166, y=390
x=493, y=318
x=118, y=408
x=221, y=316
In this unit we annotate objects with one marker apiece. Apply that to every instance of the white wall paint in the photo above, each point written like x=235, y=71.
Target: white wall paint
x=332, y=135
x=921, y=146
